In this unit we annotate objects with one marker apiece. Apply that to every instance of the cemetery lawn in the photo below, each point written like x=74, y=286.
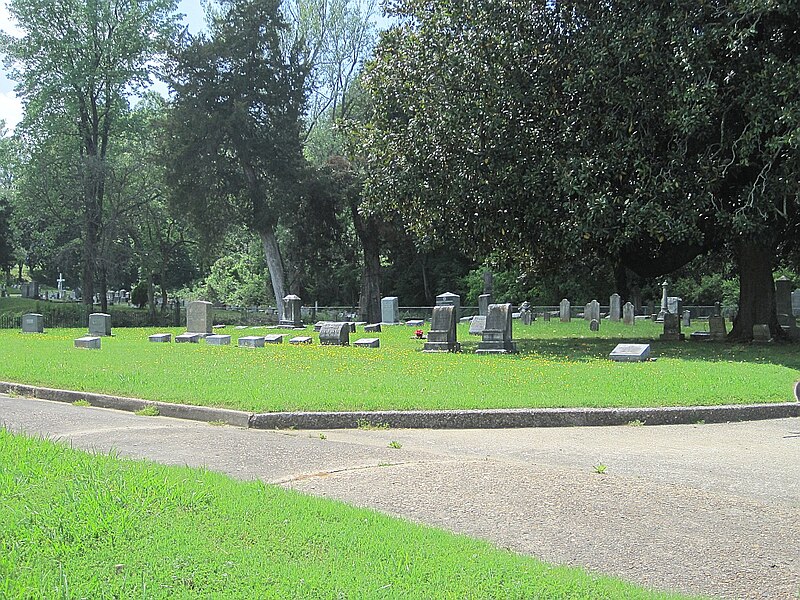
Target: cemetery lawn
x=78, y=525
x=559, y=365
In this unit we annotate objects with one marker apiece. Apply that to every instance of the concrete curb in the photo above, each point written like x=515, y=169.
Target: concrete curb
x=437, y=419
x=165, y=409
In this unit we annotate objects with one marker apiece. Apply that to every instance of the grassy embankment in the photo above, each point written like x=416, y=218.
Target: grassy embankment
x=560, y=365
x=75, y=525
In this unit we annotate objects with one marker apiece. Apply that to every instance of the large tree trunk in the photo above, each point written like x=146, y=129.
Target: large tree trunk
x=369, y=302
x=275, y=266
x=756, y=290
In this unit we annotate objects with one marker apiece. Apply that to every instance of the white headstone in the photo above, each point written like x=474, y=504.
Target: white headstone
x=390, y=310
x=615, y=308
x=564, y=311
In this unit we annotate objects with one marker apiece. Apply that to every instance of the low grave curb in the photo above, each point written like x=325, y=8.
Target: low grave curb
x=435, y=419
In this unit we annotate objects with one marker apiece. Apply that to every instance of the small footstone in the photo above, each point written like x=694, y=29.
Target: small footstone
x=368, y=343
x=630, y=353
x=188, y=338
x=161, y=337
x=251, y=341
x=415, y=323
x=300, y=340
x=240, y=327
x=218, y=340
x=275, y=338
x=89, y=342
x=374, y=328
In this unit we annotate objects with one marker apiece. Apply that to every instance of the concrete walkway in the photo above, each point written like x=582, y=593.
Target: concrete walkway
x=704, y=509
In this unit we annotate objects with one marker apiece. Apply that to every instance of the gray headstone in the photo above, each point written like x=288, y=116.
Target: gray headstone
x=390, y=310
x=672, y=328
x=275, y=338
x=594, y=310
x=303, y=339
x=89, y=342
x=218, y=340
x=318, y=325
x=199, y=317
x=335, y=334
x=664, y=306
x=415, y=322
x=251, y=341
x=367, y=343
x=630, y=353
x=546, y=316
x=587, y=313
x=594, y=325
x=99, y=324
x=628, y=314
x=564, y=311
x=796, y=303
x=188, y=338
x=291, y=311
x=525, y=313
x=675, y=305
x=442, y=335
x=161, y=338
x=32, y=323
x=761, y=333
x=477, y=325
x=497, y=337
x=240, y=327
x=717, y=329
x=484, y=300
x=686, y=318
x=488, y=282
x=615, y=307
x=373, y=328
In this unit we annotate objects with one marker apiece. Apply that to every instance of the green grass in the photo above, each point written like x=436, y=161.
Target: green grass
x=560, y=365
x=75, y=525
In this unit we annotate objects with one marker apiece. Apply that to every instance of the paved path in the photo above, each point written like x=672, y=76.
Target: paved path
x=710, y=509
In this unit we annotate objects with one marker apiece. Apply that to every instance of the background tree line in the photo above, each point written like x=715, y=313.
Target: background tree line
x=574, y=149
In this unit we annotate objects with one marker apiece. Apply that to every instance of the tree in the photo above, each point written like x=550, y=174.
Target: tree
x=234, y=151
x=75, y=63
x=644, y=134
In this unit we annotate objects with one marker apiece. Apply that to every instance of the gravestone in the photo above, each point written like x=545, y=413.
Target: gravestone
x=390, y=310
x=188, y=338
x=99, y=324
x=318, y=325
x=291, y=312
x=761, y=333
x=60, y=283
x=484, y=300
x=218, y=340
x=546, y=316
x=303, y=339
x=594, y=325
x=675, y=305
x=615, y=307
x=628, y=314
x=488, y=282
x=373, y=328
x=630, y=353
x=335, y=334
x=672, y=328
x=200, y=317
x=30, y=290
x=477, y=325
x=525, y=313
x=88, y=342
x=32, y=323
x=564, y=311
x=687, y=318
x=275, y=338
x=251, y=341
x=497, y=333
x=367, y=343
x=664, y=300
x=717, y=330
x=587, y=313
x=442, y=336
x=796, y=303
x=593, y=309
x=450, y=299
x=415, y=322
x=161, y=338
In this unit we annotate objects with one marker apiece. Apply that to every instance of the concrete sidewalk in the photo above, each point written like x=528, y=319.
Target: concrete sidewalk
x=706, y=509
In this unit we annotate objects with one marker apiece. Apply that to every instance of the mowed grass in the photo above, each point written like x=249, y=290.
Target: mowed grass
x=560, y=365
x=75, y=525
